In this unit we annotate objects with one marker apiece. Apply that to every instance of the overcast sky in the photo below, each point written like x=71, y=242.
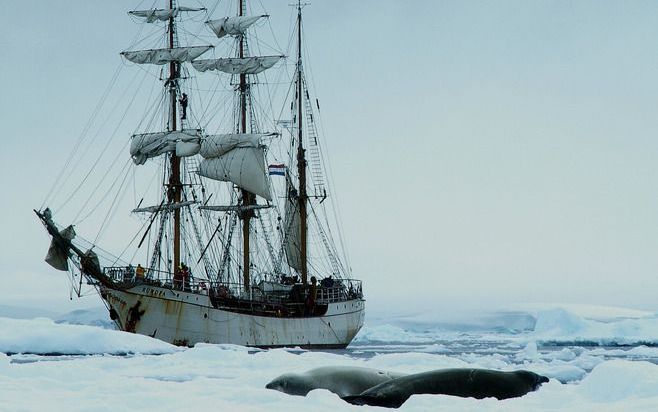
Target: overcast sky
x=485, y=153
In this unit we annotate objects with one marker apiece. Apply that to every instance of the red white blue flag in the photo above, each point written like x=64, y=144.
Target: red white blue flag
x=279, y=170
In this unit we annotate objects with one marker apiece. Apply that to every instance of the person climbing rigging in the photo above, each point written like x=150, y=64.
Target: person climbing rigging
x=183, y=106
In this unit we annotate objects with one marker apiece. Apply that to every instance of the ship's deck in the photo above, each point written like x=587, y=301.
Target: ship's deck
x=282, y=298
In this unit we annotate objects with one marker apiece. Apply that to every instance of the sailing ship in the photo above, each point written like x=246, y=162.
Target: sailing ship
x=239, y=242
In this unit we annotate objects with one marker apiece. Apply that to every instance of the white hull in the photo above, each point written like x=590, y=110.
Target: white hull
x=184, y=318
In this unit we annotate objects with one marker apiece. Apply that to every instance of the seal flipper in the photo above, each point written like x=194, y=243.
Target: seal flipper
x=354, y=399
x=371, y=400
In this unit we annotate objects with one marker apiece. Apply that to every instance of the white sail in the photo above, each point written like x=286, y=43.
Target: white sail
x=187, y=149
x=292, y=226
x=58, y=254
x=147, y=145
x=163, y=56
x=217, y=145
x=243, y=166
x=232, y=26
x=161, y=14
x=246, y=65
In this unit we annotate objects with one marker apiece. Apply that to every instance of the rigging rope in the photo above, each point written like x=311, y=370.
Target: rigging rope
x=109, y=140
x=83, y=136
x=112, y=208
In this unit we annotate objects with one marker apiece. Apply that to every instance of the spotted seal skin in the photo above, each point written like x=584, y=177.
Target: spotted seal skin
x=341, y=380
x=467, y=383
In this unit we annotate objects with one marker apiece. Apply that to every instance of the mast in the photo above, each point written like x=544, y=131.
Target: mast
x=174, y=186
x=301, y=160
x=246, y=196
x=247, y=172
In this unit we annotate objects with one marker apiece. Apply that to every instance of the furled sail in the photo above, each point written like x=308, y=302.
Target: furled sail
x=186, y=142
x=164, y=56
x=236, y=65
x=219, y=144
x=292, y=226
x=232, y=26
x=243, y=166
x=161, y=14
x=58, y=254
x=166, y=206
x=234, y=208
x=187, y=149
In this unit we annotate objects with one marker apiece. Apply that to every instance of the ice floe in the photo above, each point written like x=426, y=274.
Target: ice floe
x=594, y=364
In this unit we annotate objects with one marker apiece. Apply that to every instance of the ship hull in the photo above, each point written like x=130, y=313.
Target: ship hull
x=183, y=318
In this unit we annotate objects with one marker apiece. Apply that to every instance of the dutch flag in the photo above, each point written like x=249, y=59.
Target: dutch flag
x=279, y=170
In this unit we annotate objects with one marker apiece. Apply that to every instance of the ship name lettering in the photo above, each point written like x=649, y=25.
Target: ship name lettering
x=155, y=292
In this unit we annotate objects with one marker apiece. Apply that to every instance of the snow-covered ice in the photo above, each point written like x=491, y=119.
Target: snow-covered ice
x=596, y=363
x=43, y=336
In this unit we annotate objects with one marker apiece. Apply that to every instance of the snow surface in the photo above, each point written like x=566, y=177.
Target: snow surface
x=43, y=336
x=45, y=365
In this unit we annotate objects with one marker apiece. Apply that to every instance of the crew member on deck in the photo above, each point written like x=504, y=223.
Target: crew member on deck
x=183, y=106
x=139, y=272
x=178, y=278
x=185, y=274
x=312, y=295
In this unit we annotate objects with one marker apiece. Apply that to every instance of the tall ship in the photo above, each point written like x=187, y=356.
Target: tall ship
x=233, y=234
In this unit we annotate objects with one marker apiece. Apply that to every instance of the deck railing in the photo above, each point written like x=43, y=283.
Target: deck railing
x=327, y=291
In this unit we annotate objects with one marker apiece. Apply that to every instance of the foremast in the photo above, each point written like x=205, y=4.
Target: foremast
x=174, y=142
x=247, y=197
x=174, y=186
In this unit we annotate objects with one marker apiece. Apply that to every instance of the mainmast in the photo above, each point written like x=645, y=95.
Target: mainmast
x=174, y=186
x=301, y=159
x=247, y=197
x=238, y=157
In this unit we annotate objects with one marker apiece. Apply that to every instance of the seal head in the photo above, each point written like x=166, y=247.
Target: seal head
x=341, y=380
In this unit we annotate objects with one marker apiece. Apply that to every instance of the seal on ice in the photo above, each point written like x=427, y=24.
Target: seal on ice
x=475, y=383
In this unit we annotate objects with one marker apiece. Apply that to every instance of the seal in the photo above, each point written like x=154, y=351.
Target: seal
x=341, y=380
x=475, y=383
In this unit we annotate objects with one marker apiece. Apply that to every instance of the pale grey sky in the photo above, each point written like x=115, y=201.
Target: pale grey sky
x=485, y=153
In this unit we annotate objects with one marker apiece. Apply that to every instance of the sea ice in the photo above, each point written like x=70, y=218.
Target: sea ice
x=43, y=336
x=156, y=376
